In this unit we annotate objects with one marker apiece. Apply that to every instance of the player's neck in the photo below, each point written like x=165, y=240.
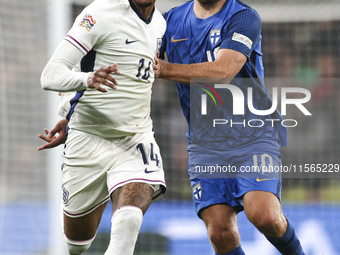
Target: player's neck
x=205, y=8
x=144, y=9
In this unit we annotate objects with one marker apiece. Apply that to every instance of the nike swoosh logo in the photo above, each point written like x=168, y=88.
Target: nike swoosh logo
x=173, y=40
x=128, y=42
x=261, y=180
x=148, y=172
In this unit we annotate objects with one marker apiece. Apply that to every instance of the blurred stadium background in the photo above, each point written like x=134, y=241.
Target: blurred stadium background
x=301, y=39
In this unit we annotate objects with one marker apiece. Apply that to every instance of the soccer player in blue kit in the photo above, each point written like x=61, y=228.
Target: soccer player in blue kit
x=222, y=39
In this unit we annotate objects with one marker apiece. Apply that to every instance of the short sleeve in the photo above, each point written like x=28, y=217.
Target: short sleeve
x=243, y=32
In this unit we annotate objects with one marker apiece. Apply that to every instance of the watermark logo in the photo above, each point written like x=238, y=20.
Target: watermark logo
x=239, y=99
x=295, y=96
x=204, y=97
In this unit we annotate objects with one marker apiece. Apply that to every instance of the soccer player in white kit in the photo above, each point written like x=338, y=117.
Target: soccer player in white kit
x=110, y=151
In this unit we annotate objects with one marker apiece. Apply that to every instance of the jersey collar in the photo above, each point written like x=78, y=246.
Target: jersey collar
x=134, y=8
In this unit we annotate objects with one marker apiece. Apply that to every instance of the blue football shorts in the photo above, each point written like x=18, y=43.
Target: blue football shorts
x=223, y=177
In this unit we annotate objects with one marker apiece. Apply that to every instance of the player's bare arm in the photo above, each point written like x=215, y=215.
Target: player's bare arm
x=227, y=64
x=51, y=138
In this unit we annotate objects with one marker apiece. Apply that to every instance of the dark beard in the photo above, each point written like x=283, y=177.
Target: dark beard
x=145, y=5
x=208, y=3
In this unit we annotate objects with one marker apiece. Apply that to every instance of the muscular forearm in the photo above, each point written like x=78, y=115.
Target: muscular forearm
x=183, y=73
x=58, y=74
x=227, y=64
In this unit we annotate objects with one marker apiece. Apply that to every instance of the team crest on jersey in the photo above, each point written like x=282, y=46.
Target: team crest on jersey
x=215, y=36
x=88, y=22
x=159, y=43
x=197, y=191
x=65, y=195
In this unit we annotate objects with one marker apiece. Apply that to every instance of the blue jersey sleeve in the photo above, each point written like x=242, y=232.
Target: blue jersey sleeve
x=243, y=32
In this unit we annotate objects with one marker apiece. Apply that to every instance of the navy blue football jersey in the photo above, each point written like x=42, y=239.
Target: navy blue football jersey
x=189, y=39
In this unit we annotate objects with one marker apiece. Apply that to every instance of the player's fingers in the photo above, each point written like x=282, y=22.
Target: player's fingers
x=105, y=78
x=110, y=69
x=42, y=148
x=52, y=133
x=155, y=66
x=108, y=81
x=101, y=89
x=45, y=138
x=94, y=81
x=156, y=60
x=102, y=76
x=107, y=75
x=111, y=84
x=114, y=69
x=110, y=78
x=52, y=144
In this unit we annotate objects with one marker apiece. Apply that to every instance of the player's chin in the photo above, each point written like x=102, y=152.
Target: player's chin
x=144, y=3
x=208, y=2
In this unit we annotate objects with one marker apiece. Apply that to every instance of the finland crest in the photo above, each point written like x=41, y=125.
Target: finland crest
x=215, y=35
x=197, y=191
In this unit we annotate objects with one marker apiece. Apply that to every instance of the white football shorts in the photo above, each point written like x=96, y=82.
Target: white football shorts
x=93, y=167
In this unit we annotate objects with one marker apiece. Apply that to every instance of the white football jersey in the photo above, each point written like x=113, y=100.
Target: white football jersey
x=108, y=32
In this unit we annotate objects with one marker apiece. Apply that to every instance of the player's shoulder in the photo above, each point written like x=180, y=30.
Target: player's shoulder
x=246, y=10
x=101, y=4
x=104, y=9
x=159, y=18
x=158, y=15
x=179, y=10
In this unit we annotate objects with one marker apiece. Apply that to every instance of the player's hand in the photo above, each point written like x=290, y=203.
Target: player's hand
x=102, y=76
x=53, y=140
x=158, y=67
